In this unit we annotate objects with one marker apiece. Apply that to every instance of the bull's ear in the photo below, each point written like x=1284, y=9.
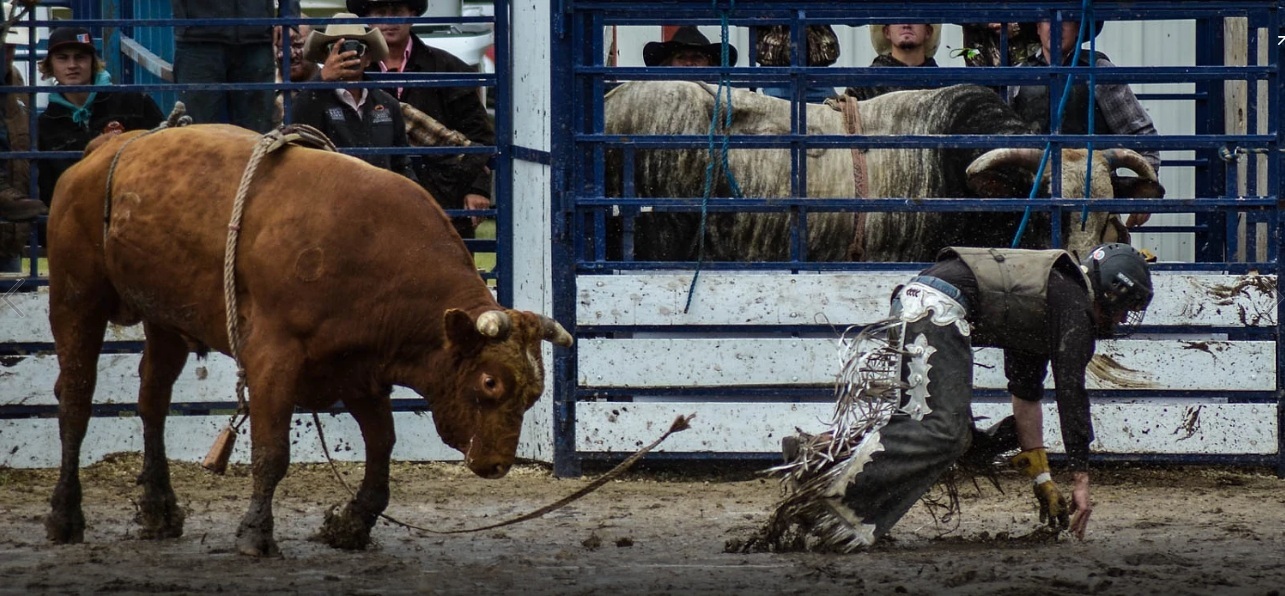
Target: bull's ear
x=1135, y=187
x=1001, y=183
x=461, y=332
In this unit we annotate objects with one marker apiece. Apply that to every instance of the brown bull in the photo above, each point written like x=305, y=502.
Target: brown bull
x=350, y=279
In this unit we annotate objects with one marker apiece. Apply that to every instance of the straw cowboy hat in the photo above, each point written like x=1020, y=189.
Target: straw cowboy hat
x=363, y=7
x=656, y=53
x=317, y=46
x=883, y=47
x=17, y=36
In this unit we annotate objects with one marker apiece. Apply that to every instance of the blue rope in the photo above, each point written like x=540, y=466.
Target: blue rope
x=1061, y=109
x=724, y=83
x=1088, y=158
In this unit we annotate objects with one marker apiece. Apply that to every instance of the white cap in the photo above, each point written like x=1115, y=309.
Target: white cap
x=17, y=36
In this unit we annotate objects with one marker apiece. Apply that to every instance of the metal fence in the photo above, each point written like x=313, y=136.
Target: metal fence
x=749, y=346
x=135, y=38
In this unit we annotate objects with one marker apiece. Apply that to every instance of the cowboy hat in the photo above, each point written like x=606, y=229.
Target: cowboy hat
x=17, y=36
x=883, y=47
x=656, y=53
x=317, y=46
x=362, y=8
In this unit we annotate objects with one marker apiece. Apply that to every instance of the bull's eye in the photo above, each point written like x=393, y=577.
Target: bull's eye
x=490, y=382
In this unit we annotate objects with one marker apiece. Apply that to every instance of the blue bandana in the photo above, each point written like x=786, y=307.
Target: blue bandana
x=81, y=114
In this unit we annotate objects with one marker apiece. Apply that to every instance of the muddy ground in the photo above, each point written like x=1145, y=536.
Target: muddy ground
x=660, y=530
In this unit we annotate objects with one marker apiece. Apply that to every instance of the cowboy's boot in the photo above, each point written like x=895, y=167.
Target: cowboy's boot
x=16, y=206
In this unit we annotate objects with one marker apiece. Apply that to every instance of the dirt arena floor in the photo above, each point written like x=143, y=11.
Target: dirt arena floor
x=660, y=530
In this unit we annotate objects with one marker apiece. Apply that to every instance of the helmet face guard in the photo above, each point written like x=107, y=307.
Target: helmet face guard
x=1121, y=287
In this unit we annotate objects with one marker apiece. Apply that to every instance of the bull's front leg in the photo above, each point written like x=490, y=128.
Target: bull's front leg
x=349, y=528
x=270, y=413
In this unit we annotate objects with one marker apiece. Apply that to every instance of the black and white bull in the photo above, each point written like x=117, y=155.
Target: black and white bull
x=685, y=108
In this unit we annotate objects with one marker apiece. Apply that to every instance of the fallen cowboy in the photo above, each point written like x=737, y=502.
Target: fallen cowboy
x=903, y=413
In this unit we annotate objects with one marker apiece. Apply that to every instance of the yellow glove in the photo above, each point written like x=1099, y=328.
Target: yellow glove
x=1053, y=508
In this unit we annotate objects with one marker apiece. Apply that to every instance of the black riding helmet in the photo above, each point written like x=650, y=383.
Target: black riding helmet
x=1121, y=281
x=362, y=7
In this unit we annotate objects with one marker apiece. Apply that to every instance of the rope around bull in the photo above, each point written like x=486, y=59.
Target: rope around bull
x=680, y=424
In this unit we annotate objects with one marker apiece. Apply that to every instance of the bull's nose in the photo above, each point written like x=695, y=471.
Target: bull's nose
x=492, y=471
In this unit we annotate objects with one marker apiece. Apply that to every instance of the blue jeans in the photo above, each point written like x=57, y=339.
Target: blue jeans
x=200, y=62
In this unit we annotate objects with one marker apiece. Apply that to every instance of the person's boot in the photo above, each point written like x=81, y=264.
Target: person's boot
x=15, y=206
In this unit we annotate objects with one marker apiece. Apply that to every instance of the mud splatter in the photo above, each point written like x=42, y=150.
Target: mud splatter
x=1190, y=423
x=1255, y=288
x=1109, y=370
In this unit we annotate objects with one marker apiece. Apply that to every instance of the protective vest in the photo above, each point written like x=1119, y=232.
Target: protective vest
x=1032, y=104
x=1012, y=292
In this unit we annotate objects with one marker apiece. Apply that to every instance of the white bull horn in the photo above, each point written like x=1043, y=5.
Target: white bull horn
x=551, y=330
x=1129, y=160
x=1024, y=157
x=494, y=324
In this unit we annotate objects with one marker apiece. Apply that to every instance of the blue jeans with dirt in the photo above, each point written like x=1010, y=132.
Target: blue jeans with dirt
x=200, y=62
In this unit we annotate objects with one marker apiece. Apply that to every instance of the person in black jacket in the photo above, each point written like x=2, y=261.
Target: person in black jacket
x=900, y=44
x=223, y=54
x=357, y=116
x=74, y=119
x=1042, y=308
x=457, y=182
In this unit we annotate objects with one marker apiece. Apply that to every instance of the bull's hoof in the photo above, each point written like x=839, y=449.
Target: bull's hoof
x=344, y=530
x=160, y=519
x=253, y=542
x=65, y=528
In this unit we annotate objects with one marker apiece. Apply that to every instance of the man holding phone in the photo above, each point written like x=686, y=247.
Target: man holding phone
x=353, y=116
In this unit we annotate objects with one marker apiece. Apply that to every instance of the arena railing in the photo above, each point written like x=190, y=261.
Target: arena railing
x=135, y=39
x=749, y=344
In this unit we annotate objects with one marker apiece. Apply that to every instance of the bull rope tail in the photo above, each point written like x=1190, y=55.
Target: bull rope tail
x=1057, y=119
x=229, y=273
x=681, y=423
x=271, y=141
x=724, y=82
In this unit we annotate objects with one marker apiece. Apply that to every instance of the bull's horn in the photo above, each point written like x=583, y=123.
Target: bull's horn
x=1024, y=157
x=494, y=324
x=551, y=330
x=1129, y=160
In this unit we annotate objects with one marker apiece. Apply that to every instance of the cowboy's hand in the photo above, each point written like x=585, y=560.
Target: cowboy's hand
x=1081, y=504
x=1053, y=508
x=340, y=66
x=476, y=201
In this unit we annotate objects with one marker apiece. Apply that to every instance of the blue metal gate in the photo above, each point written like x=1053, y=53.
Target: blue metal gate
x=630, y=316
x=136, y=38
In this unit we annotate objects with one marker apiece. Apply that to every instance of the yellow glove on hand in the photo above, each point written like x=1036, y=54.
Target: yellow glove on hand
x=1053, y=508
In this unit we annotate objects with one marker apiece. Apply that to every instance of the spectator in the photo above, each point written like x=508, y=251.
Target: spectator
x=687, y=47
x=226, y=54
x=982, y=43
x=16, y=206
x=355, y=117
x=300, y=70
x=903, y=44
x=75, y=118
x=15, y=135
x=1117, y=110
x=773, y=49
x=456, y=182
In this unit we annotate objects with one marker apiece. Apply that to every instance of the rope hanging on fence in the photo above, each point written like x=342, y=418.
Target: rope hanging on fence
x=1086, y=8
x=724, y=83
